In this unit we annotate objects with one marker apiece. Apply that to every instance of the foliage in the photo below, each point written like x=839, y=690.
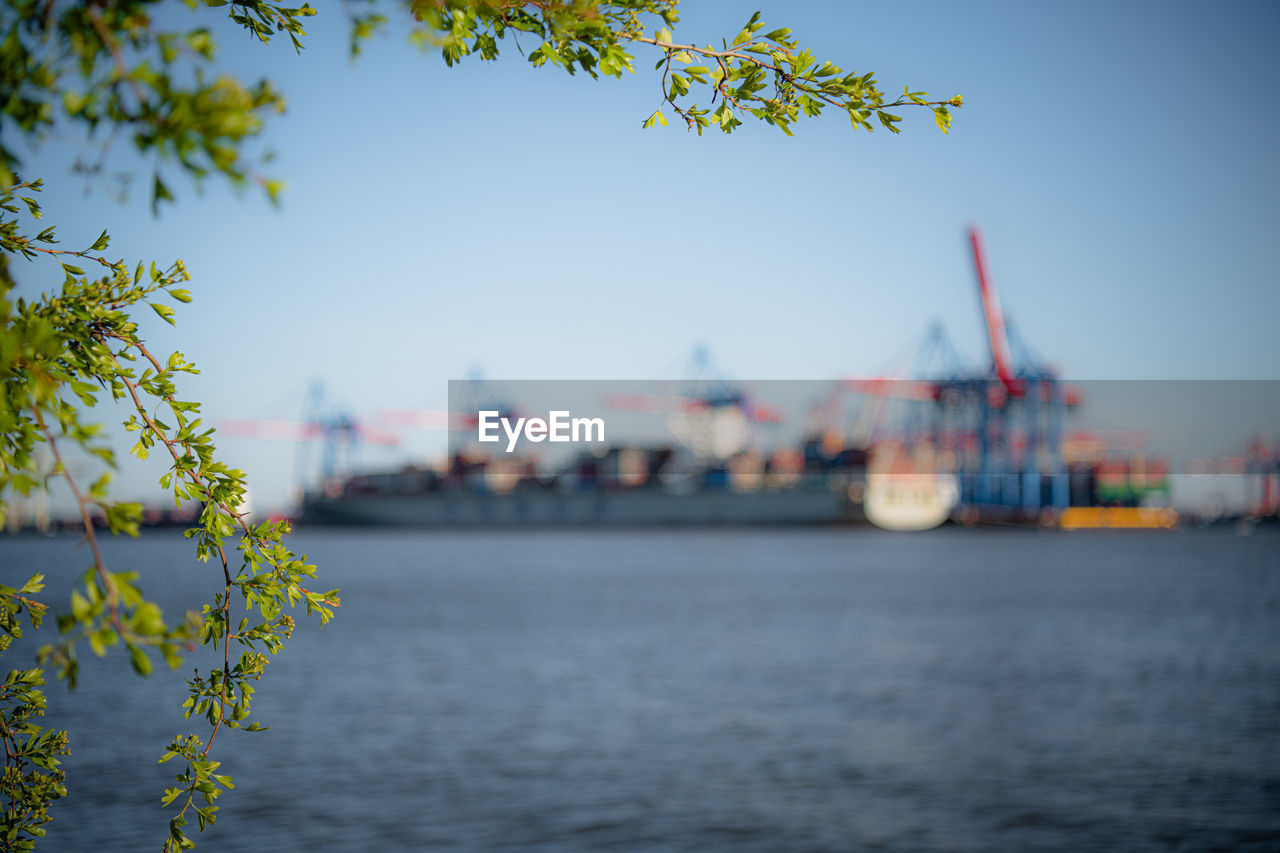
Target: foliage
x=59, y=354
x=106, y=65
x=766, y=76
x=31, y=777
x=107, y=68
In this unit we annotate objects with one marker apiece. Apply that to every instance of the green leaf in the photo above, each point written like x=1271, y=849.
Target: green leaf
x=889, y=120
x=141, y=663
x=942, y=118
x=657, y=118
x=80, y=606
x=165, y=312
x=159, y=193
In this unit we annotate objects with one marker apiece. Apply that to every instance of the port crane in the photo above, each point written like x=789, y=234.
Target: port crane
x=338, y=433
x=467, y=398
x=706, y=412
x=1001, y=431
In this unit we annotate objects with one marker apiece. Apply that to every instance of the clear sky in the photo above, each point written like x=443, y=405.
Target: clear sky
x=1118, y=156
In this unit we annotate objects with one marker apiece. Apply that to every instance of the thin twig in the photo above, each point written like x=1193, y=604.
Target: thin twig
x=87, y=520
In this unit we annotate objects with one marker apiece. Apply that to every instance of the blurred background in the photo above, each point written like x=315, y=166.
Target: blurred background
x=695, y=640
x=518, y=222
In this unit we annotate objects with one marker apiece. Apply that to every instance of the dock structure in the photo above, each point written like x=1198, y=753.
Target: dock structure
x=1000, y=431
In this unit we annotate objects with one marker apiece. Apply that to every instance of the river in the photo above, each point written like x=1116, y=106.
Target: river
x=812, y=689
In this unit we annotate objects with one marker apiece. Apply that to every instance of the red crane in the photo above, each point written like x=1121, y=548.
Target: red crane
x=996, y=334
x=1010, y=387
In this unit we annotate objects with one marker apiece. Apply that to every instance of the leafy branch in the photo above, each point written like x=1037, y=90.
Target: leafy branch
x=739, y=80
x=81, y=341
x=90, y=65
x=107, y=64
x=766, y=76
x=31, y=779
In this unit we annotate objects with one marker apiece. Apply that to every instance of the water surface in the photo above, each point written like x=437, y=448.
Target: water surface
x=690, y=690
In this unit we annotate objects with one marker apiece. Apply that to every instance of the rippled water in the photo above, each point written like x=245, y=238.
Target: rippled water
x=695, y=690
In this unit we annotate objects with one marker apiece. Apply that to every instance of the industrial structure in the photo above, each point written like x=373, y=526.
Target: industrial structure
x=999, y=432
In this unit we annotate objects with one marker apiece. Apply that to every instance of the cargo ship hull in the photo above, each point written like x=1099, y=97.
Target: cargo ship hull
x=623, y=508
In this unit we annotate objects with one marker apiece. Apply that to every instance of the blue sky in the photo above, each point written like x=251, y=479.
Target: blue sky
x=1119, y=158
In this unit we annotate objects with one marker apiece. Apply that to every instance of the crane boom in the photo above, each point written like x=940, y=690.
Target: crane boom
x=995, y=319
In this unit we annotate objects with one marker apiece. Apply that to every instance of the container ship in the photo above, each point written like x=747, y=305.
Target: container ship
x=883, y=486
x=620, y=486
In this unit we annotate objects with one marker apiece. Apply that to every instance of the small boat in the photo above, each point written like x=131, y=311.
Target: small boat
x=909, y=501
x=905, y=490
